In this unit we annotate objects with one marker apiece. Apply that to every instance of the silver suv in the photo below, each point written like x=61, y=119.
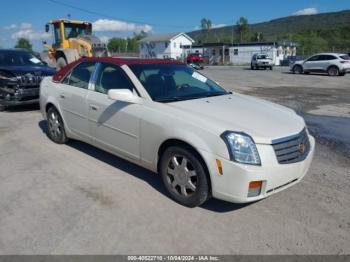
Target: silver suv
x=261, y=61
x=333, y=64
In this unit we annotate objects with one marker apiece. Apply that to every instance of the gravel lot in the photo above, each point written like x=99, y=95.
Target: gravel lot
x=76, y=199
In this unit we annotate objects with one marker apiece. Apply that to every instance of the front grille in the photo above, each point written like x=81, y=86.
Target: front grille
x=292, y=149
x=33, y=80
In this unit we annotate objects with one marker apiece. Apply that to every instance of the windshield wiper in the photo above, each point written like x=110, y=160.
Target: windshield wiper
x=216, y=94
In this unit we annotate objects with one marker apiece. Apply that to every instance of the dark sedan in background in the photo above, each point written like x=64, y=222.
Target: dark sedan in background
x=20, y=75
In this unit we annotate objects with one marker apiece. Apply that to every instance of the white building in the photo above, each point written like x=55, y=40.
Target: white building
x=164, y=46
x=241, y=53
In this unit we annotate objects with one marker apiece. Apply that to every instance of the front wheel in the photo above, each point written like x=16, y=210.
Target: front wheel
x=271, y=68
x=297, y=69
x=61, y=62
x=184, y=176
x=56, y=131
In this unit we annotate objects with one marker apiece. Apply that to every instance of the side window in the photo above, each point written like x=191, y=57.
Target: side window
x=329, y=57
x=111, y=77
x=80, y=75
x=314, y=58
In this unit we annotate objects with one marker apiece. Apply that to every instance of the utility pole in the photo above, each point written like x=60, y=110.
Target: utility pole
x=233, y=25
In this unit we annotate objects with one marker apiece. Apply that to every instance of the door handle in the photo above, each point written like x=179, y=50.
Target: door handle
x=62, y=96
x=93, y=107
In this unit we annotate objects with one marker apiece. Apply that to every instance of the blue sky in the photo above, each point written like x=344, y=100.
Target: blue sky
x=122, y=18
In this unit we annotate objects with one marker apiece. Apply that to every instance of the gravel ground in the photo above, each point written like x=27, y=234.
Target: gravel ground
x=76, y=199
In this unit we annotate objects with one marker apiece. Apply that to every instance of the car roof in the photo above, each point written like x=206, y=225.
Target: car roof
x=130, y=60
x=116, y=61
x=336, y=54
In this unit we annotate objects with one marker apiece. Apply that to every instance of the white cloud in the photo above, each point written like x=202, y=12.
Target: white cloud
x=218, y=25
x=212, y=26
x=306, y=11
x=26, y=31
x=106, y=25
x=9, y=27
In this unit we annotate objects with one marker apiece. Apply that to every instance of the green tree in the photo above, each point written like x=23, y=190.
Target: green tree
x=258, y=37
x=117, y=45
x=206, y=25
x=24, y=43
x=242, y=28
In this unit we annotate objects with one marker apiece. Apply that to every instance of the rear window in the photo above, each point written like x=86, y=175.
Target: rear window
x=345, y=57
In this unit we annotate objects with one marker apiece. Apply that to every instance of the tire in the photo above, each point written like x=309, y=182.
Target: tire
x=61, y=62
x=251, y=67
x=2, y=108
x=297, y=69
x=55, y=129
x=271, y=68
x=342, y=74
x=186, y=182
x=333, y=71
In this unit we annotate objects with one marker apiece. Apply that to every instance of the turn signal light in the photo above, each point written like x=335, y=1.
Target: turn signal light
x=254, y=188
x=219, y=166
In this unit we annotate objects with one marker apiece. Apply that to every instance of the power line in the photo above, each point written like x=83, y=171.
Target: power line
x=112, y=17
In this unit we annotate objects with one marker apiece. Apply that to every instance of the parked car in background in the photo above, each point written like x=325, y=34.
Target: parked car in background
x=195, y=58
x=333, y=64
x=20, y=75
x=261, y=61
x=167, y=117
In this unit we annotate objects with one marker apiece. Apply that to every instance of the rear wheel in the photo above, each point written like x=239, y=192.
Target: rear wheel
x=184, y=176
x=61, y=62
x=297, y=69
x=342, y=74
x=333, y=71
x=56, y=131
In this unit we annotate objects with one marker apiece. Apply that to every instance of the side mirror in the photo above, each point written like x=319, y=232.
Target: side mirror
x=124, y=95
x=47, y=28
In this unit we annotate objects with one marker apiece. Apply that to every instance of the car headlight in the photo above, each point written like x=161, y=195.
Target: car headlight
x=242, y=148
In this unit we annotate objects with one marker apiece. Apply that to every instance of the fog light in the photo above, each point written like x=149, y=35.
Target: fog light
x=254, y=188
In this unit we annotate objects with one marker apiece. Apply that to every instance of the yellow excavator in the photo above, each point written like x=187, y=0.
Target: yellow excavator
x=73, y=39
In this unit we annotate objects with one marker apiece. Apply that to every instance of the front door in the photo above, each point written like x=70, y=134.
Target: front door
x=313, y=63
x=114, y=124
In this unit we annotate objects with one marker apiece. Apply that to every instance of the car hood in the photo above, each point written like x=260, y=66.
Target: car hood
x=35, y=70
x=262, y=120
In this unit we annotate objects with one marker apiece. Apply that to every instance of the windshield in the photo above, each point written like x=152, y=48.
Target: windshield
x=75, y=30
x=170, y=82
x=263, y=57
x=19, y=58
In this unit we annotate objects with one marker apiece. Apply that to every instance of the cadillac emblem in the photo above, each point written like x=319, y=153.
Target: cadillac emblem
x=301, y=148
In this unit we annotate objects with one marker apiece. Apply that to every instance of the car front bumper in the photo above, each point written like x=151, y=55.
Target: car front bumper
x=233, y=184
x=20, y=96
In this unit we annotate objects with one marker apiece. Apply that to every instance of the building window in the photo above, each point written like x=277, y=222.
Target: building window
x=174, y=44
x=235, y=51
x=213, y=52
x=166, y=44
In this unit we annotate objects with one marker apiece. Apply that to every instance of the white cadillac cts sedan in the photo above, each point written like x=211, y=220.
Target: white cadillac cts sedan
x=167, y=117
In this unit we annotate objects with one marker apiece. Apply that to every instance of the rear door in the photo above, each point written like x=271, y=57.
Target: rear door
x=114, y=124
x=72, y=98
x=326, y=61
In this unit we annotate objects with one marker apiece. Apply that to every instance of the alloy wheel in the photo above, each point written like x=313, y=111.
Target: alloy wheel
x=181, y=176
x=55, y=126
